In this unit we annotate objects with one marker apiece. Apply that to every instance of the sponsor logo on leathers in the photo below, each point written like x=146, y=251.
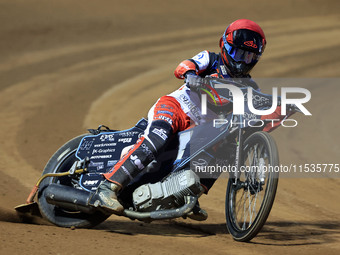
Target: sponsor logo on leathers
x=160, y=132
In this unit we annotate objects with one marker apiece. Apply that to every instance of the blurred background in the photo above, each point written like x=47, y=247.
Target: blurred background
x=69, y=65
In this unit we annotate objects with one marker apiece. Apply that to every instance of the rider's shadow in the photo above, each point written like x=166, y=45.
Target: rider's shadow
x=163, y=228
x=285, y=233
x=276, y=233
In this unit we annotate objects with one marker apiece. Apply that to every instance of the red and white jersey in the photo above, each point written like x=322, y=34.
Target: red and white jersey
x=203, y=64
x=191, y=105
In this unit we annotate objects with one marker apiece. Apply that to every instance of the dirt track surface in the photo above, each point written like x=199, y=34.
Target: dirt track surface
x=67, y=66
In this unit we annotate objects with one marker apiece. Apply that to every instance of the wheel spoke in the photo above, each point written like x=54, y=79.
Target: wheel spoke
x=245, y=205
x=239, y=203
x=245, y=214
x=254, y=193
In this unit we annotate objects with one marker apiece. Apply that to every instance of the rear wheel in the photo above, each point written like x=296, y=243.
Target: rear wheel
x=250, y=197
x=60, y=162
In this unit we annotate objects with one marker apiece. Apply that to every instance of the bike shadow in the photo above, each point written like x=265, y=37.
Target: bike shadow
x=163, y=228
x=285, y=233
x=276, y=233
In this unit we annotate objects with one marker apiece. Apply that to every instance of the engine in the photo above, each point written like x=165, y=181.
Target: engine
x=168, y=193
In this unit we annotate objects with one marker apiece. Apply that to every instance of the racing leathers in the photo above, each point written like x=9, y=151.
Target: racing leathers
x=171, y=114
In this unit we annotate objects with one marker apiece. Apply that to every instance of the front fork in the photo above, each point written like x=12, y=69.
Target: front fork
x=242, y=134
x=238, y=156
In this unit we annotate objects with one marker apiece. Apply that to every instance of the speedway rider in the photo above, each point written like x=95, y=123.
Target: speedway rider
x=242, y=44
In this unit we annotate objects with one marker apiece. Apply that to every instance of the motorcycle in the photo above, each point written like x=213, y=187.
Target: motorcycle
x=74, y=172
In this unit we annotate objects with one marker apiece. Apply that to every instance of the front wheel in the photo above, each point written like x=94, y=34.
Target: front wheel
x=251, y=192
x=62, y=161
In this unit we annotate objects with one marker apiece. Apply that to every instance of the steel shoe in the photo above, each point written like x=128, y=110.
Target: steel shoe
x=106, y=198
x=198, y=213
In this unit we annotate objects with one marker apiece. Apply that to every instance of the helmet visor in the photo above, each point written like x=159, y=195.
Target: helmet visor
x=241, y=55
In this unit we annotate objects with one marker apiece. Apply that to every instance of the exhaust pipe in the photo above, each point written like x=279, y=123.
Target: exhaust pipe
x=68, y=198
x=78, y=200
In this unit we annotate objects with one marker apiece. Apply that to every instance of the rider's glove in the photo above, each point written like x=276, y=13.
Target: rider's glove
x=190, y=72
x=194, y=81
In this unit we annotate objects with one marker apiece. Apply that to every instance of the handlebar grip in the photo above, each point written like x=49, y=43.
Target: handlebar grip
x=194, y=81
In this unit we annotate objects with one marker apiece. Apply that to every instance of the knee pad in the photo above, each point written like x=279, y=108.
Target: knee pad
x=141, y=154
x=158, y=135
x=152, y=142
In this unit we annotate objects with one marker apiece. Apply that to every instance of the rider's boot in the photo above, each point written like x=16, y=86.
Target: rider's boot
x=106, y=198
x=198, y=214
x=130, y=165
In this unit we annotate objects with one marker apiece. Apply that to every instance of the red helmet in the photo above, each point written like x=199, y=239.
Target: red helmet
x=242, y=44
